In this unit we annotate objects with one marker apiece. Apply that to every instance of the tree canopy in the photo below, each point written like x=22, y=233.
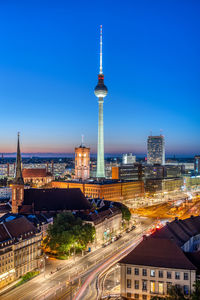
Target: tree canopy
x=69, y=232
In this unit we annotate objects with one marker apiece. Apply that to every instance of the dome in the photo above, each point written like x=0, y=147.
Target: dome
x=100, y=90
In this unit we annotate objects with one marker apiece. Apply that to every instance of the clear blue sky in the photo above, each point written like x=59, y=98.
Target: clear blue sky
x=49, y=64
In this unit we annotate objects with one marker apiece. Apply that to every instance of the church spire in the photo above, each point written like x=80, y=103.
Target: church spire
x=18, y=170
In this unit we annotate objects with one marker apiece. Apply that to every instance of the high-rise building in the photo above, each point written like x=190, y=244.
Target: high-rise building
x=128, y=159
x=100, y=92
x=197, y=164
x=82, y=162
x=18, y=183
x=156, y=150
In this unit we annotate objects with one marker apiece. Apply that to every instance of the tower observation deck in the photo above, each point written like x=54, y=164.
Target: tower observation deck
x=100, y=92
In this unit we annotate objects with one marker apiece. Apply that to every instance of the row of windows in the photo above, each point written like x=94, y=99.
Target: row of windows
x=136, y=296
x=160, y=285
x=177, y=275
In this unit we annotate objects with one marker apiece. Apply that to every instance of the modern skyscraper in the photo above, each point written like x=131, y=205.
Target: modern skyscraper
x=18, y=183
x=197, y=164
x=156, y=150
x=82, y=162
x=100, y=92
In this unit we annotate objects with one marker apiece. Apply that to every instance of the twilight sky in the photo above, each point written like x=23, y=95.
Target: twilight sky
x=49, y=62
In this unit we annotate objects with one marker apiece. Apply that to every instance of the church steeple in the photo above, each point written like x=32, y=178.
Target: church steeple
x=18, y=170
x=18, y=183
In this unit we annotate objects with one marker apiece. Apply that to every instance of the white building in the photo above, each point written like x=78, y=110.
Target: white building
x=128, y=159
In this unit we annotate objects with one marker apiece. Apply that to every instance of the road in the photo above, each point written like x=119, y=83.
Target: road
x=64, y=283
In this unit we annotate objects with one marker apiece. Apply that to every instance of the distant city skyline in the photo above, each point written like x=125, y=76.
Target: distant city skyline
x=49, y=59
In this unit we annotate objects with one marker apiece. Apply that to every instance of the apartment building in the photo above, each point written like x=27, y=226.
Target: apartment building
x=170, y=256
x=20, y=249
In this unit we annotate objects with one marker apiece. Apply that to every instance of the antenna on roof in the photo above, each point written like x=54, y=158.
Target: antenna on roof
x=82, y=140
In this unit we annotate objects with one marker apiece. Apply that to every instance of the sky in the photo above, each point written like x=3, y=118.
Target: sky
x=49, y=63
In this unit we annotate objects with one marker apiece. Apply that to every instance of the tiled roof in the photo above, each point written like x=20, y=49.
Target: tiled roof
x=19, y=227
x=100, y=215
x=4, y=236
x=156, y=252
x=180, y=230
x=55, y=199
x=35, y=173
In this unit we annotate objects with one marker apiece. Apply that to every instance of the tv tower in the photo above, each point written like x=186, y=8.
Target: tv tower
x=100, y=92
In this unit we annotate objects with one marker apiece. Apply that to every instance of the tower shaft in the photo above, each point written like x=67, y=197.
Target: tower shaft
x=100, y=153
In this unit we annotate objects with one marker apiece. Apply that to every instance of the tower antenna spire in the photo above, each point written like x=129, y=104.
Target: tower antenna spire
x=101, y=67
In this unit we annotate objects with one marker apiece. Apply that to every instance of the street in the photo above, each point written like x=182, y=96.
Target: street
x=59, y=286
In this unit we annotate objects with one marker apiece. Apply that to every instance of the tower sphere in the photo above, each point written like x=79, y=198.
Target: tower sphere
x=101, y=90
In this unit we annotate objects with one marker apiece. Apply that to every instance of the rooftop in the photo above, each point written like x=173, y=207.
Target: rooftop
x=35, y=172
x=55, y=199
x=158, y=253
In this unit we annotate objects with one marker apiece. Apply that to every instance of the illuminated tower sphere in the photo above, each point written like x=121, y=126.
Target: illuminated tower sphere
x=100, y=92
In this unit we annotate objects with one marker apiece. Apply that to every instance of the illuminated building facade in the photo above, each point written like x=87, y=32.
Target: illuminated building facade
x=82, y=162
x=20, y=249
x=108, y=189
x=100, y=92
x=128, y=159
x=197, y=164
x=156, y=150
x=169, y=257
x=36, y=176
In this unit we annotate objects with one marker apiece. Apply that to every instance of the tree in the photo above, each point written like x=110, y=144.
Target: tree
x=175, y=293
x=196, y=292
x=67, y=233
x=126, y=214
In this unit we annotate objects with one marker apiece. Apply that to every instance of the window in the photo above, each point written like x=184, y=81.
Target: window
x=160, y=288
x=136, y=284
x=144, y=272
x=136, y=271
x=152, y=286
x=136, y=296
x=177, y=275
x=128, y=295
x=160, y=274
x=186, y=290
x=169, y=275
x=144, y=285
x=152, y=273
x=128, y=270
x=144, y=297
x=128, y=283
x=185, y=276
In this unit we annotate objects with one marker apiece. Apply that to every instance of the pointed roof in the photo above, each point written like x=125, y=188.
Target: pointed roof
x=18, y=170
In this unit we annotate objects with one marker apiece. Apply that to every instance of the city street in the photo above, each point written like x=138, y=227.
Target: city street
x=63, y=283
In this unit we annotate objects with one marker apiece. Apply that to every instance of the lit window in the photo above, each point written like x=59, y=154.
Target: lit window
x=186, y=290
x=152, y=286
x=152, y=273
x=160, y=288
